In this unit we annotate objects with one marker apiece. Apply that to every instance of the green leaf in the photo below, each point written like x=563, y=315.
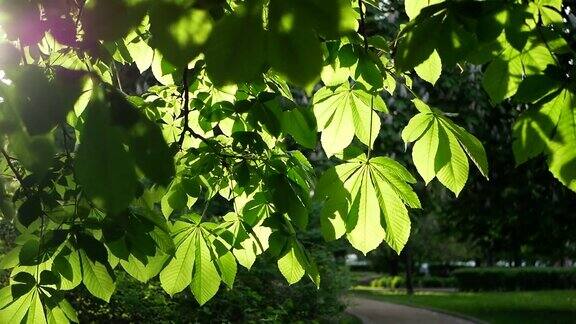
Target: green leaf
x=534, y=129
x=416, y=127
x=440, y=148
x=334, y=74
x=179, y=32
x=296, y=55
x=548, y=10
x=289, y=198
x=56, y=315
x=396, y=220
x=236, y=50
x=430, y=69
x=329, y=18
x=452, y=171
x=67, y=309
x=251, y=247
x=413, y=7
x=368, y=72
x=29, y=252
x=41, y=103
x=164, y=71
x=193, y=264
x=536, y=87
x=15, y=311
x=10, y=259
x=291, y=264
x=144, y=138
x=144, y=271
x=177, y=275
x=418, y=43
x=228, y=268
x=473, y=147
x=99, y=24
x=205, y=279
x=174, y=199
x=300, y=123
x=424, y=152
x=102, y=166
x=368, y=199
x=331, y=188
x=140, y=51
x=398, y=178
x=36, y=311
x=562, y=164
x=497, y=79
x=367, y=232
x=30, y=211
x=68, y=267
x=505, y=74
x=517, y=30
x=343, y=113
x=35, y=152
x=248, y=242
x=454, y=42
x=96, y=277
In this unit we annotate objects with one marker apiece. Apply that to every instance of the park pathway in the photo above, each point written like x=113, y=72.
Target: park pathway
x=373, y=311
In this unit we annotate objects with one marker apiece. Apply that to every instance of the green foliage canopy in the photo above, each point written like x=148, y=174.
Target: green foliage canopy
x=110, y=179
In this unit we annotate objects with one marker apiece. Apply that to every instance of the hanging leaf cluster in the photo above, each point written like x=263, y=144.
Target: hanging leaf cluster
x=115, y=176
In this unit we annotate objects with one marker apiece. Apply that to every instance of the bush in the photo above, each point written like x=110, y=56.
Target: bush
x=395, y=282
x=258, y=295
x=441, y=269
x=435, y=282
x=506, y=279
x=392, y=282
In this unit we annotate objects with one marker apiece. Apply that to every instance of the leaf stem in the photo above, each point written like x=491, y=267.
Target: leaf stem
x=370, y=136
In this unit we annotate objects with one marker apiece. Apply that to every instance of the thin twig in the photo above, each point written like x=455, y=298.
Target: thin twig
x=543, y=38
x=14, y=169
x=117, y=73
x=80, y=12
x=24, y=59
x=185, y=110
x=370, y=136
x=363, y=24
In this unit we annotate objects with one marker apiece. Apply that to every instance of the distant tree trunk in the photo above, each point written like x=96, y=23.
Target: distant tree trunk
x=408, y=260
x=478, y=262
x=394, y=266
x=489, y=258
x=517, y=260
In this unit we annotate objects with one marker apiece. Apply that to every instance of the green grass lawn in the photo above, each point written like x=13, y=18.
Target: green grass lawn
x=492, y=307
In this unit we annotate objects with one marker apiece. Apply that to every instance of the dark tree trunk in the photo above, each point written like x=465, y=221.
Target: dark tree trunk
x=516, y=261
x=489, y=259
x=394, y=266
x=408, y=260
x=478, y=262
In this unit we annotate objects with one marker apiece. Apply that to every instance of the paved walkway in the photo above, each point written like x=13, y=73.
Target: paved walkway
x=373, y=311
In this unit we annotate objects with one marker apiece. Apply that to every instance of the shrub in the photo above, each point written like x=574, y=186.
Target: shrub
x=502, y=279
x=258, y=295
x=395, y=282
x=392, y=282
x=435, y=282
